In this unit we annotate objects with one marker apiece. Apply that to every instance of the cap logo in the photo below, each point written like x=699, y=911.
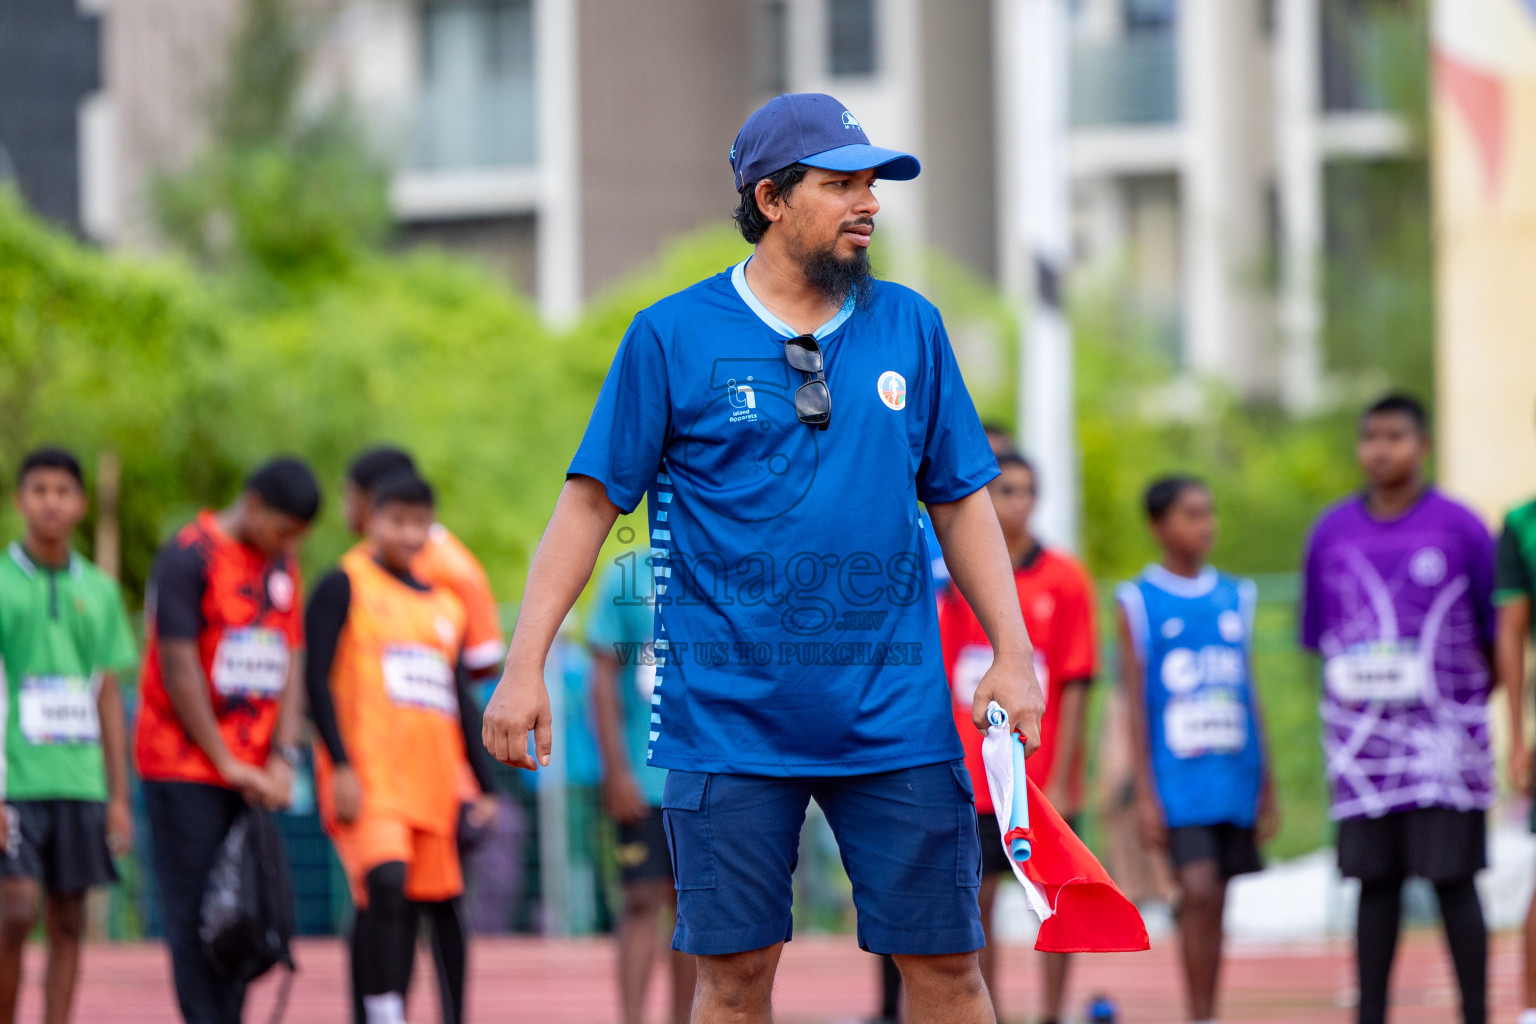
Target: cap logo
x=849, y=121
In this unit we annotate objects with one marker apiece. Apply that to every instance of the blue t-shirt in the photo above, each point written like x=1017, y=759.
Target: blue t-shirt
x=796, y=631
x=620, y=624
x=1194, y=640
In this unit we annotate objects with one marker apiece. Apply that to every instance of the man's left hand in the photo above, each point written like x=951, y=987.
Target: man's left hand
x=1012, y=683
x=119, y=826
x=482, y=810
x=277, y=790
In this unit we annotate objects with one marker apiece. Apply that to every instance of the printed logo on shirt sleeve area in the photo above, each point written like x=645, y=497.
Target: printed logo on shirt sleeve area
x=893, y=390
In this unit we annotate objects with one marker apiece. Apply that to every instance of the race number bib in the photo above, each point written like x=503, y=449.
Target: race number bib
x=1194, y=727
x=252, y=663
x=970, y=666
x=1384, y=673
x=58, y=709
x=416, y=676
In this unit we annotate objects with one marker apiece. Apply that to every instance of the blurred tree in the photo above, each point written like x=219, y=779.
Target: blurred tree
x=283, y=194
x=98, y=352
x=1378, y=271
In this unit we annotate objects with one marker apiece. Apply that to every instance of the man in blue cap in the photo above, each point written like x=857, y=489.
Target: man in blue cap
x=783, y=420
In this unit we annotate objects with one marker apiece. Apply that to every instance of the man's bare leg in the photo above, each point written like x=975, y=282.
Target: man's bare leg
x=736, y=988
x=1055, y=972
x=685, y=978
x=637, y=942
x=18, y=914
x=987, y=954
x=1204, y=896
x=946, y=989
x=66, y=930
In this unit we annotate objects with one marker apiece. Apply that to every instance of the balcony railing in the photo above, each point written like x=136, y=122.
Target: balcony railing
x=1133, y=80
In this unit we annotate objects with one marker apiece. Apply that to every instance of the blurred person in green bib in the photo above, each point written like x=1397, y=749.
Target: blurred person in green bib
x=1514, y=591
x=64, y=636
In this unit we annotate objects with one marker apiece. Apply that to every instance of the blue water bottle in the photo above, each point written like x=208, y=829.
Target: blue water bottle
x=1101, y=1010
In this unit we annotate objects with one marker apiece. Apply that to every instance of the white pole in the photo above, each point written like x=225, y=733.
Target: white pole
x=1297, y=75
x=1040, y=78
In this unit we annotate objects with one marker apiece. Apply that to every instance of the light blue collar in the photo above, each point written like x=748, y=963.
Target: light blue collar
x=1182, y=586
x=739, y=279
x=25, y=564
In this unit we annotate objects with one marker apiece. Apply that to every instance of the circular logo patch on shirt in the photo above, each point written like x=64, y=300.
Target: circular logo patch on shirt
x=1172, y=628
x=1181, y=671
x=1427, y=567
x=445, y=631
x=1231, y=626
x=893, y=390
x=280, y=590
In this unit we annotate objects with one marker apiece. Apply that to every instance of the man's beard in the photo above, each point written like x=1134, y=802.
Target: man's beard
x=834, y=277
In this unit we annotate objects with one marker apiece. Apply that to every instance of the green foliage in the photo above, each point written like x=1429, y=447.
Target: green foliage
x=430, y=353
x=285, y=196
x=1378, y=285
x=1270, y=475
x=102, y=353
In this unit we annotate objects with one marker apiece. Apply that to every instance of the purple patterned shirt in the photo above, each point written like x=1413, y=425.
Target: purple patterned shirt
x=1401, y=612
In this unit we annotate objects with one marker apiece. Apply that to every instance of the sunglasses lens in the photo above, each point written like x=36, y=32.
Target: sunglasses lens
x=803, y=354
x=813, y=403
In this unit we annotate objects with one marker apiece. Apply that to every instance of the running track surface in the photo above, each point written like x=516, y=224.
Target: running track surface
x=822, y=980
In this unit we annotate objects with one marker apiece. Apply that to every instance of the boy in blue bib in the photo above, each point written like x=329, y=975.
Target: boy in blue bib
x=1185, y=641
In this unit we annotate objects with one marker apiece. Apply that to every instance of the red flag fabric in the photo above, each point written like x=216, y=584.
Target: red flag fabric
x=1081, y=910
x=1089, y=913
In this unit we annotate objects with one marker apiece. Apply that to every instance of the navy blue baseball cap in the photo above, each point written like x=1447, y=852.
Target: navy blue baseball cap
x=814, y=129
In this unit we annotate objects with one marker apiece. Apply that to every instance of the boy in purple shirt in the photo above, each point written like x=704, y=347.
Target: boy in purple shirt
x=1397, y=599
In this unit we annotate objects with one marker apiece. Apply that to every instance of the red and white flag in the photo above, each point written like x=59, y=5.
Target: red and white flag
x=1081, y=910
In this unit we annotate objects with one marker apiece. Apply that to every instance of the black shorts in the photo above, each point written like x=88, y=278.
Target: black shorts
x=1437, y=843
x=63, y=845
x=995, y=859
x=643, y=853
x=1232, y=847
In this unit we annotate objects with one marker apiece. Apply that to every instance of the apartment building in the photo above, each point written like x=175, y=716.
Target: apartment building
x=565, y=141
x=50, y=82
x=1200, y=133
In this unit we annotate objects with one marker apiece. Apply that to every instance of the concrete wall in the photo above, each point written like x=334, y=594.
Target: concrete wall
x=959, y=119
x=664, y=85
x=163, y=60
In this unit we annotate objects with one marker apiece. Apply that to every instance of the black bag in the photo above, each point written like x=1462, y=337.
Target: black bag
x=247, y=919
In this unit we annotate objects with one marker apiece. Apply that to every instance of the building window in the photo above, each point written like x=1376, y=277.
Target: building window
x=851, y=37
x=770, y=46
x=1141, y=15
x=477, y=85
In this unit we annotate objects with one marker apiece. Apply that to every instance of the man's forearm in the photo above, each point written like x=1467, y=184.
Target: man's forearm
x=977, y=558
x=605, y=712
x=1069, y=726
x=290, y=712
x=561, y=567
x=187, y=689
x=1135, y=708
x=114, y=743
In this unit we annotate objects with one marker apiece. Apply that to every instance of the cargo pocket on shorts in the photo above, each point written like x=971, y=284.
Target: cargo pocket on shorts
x=685, y=815
x=967, y=839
